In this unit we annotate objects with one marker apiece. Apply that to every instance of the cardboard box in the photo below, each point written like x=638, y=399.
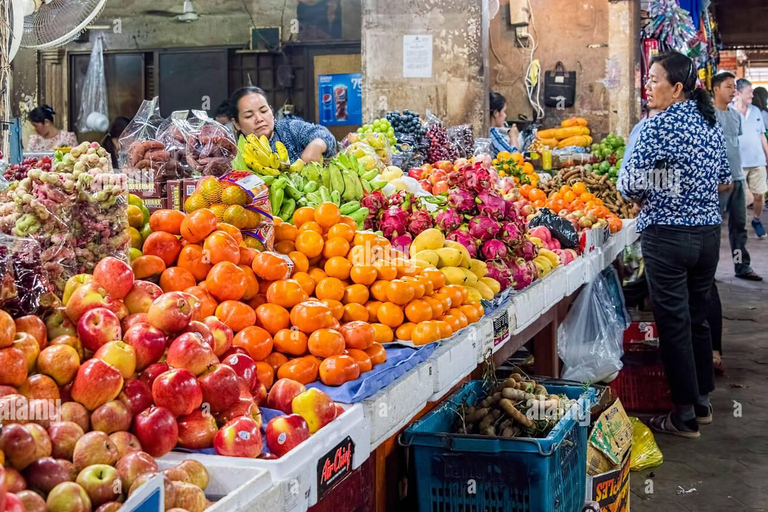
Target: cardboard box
x=174, y=195
x=188, y=187
x=156, y=203
x=610, y=490
x=608, y=459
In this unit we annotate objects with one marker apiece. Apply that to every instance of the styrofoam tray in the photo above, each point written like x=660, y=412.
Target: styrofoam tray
x=454, y=360
x=393, y=407
x=296, y=472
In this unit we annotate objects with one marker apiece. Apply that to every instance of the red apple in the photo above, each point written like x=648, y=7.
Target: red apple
x=190, y=352
x=43, y=447
x=198, y=475
x=115, y=276
x=14, y=408
x=68, y=497
x=240, y=437
x=73, y=283
x=152, y=372
x=203, y=330
x=64, y=436
x=148, y=342
x=32, y=501
x=260, y=394
x=220, y=387
x=244, y=367
x=14, y=481
x=60, y=362
x=176, y=474
x=284, y=433
x=134, y=464
x=120, y=355
x=100, y=481
x=94, y=448
x=110, y=506
x=125, y=442
x=40, y=387
x=232, y=351
x=189, y=497
x=196, y=430
x=18, y=445
x=157, y=430
x=71, y=341
x=86, y=297
x=43, y=412
x=33, y=325
x=141, y=296
x=178, y=391
x=45, y=474
x=170, y=312
x=76, y=413
x=244, y=407
x=196, y=305
x=58, y=324
x=13, y=503
x=97, y=327
x=113, y=416
x=170, y=490
x=13, y=367
x=282, y=394
x=134, y=319
x=120, y=310
x=222, y=335
x=316, y=407
x=29, y=346
x=96, y=383
x=136, y=395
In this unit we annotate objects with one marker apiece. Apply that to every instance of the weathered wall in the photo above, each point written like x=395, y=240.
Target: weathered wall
x=457, y=89
x=595, y=38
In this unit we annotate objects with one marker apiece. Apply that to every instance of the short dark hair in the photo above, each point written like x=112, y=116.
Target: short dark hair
x=234, y=100
x=721, y=77
x=742, y=83
x=760, y=99
x=41, y=114
x=497, y=102
x=223, y=110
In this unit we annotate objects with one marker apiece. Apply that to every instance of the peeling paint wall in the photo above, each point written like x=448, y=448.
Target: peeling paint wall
x=457, y=88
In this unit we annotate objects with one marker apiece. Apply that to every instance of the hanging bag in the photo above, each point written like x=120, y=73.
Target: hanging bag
x=559, y=87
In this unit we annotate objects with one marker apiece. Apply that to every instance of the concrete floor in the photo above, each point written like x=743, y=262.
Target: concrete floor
x=726, y=470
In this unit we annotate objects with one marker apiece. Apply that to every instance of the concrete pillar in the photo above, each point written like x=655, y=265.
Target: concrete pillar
x=624, y=65
x=457, y=90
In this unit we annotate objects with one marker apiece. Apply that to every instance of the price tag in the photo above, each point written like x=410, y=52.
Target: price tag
x=150, y=497
x=332, y=466
x=501, y=329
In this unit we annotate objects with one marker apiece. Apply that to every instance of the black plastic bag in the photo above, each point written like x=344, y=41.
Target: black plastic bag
x=560, y=228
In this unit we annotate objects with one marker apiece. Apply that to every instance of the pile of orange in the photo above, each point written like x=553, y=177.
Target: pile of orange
x=320, y=307
x=572, y=198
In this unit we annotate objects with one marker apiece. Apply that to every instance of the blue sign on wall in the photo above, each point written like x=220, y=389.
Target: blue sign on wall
x=340, y=99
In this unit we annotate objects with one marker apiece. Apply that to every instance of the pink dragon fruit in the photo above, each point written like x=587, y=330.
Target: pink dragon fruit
x=464, y=238
x=478, y=179
x=534, y=271
x=398, y=198
x=499, y=271
x=527, y=250
x=448, y=220
x=420, y=220
x=375, y=202
x=521, y=274
x=510, y=232
x=402, y=242
x=484, y=227
x=494, y=249
x=491, y=204
x=394, y=222
x=461, y=200
x=512, y=212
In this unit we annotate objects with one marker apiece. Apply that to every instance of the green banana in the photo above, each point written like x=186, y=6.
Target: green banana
x=312, y=186
x=349, y=207
x=360, y=216
x=359, y=191
x=337, y=179
x=303, y=201
x=367, y=188
x=276, y=200
x=314, y=198
x=286, y=211
x=350, y=187
x=267, y=179
x=325, y=195
x=279, y=183
x=325, y=174
x=336, y=197
x=369, y=175
x=378, y=184
x=293, y=192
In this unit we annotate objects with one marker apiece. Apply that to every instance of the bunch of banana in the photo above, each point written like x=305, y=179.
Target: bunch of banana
x=259, y=157
x=546, y=261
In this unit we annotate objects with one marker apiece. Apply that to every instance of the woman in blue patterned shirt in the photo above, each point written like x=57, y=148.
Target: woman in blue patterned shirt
x=674, y=173
x=252, y=114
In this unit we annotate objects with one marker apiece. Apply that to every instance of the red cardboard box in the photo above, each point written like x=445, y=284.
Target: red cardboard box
x=188, y=188
x=155, y=203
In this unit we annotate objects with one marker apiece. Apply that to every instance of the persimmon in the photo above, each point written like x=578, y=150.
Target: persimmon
x=310, y=316
x=255, y=340
x=163, y=245
x=191, y=258
x=355, y=312
x=306, y=282
x=232, y=231
x=220, y=246
x=326, y=343
x=276, y=360
x=300, y=261
x=377, y=353
x=382, y=333
x=290, y=341
x=246, y=255
x=258, y=300
x=270, y=266
x=226, y=281
x=286, y=293
x=336, y=370
x=301, y=369
x=198, y=225
x=273, y=318
x=168, y=221
x=207, y=302
x=265, y=373
x=251, y=283
x=237, y=315
x=148, y=266
x=176, y=279
x=358, y=334
x=362, y=359
x=390, y=314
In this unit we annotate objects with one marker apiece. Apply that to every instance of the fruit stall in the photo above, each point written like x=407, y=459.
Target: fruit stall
x=214, y=327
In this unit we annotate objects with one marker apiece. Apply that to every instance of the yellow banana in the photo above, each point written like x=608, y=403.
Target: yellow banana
x=282, y=152
x=553, y=258
x=269, y=171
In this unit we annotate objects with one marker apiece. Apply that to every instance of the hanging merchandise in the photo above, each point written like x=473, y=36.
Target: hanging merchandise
x=671, y=25
x=93, y=116
x=559, y=87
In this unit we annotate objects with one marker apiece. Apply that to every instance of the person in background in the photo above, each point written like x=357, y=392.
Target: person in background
x=222, y=114
x=761, y=101
x=633, y=135
x=111, y=141
x=675, y=172
x=501, y=141
x=753, y=148
x=48, y=137
x=252, y=114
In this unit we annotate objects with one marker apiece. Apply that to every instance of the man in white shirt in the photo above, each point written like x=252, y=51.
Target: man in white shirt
x=753, y=148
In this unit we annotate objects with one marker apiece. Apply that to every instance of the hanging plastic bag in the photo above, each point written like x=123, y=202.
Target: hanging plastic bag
x=24, y=285
x=461, y=141
x=645, y=452
x=141, y=156
x=209, y=146
x=94, y=115
x=590, y=339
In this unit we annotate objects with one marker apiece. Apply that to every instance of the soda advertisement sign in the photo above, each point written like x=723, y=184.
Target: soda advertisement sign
x=340, y=99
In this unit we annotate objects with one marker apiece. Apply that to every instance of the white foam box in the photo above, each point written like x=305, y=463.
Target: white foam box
x=296, y=473
x=535, y=296
x=394, y=407
x=235, y=489
x=485, y=329
x=557, y=283
x=575, y=271
x=453, y=360
x=521, y=308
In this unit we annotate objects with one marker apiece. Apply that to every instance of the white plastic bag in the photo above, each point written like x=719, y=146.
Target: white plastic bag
x=94, y=115
x=589, y=341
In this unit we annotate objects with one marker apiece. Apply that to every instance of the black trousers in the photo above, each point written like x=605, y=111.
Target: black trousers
x=680, y=264
x=715, y=319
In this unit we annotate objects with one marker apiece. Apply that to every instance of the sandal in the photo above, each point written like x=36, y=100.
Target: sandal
x=705, y=420
x=664, y=425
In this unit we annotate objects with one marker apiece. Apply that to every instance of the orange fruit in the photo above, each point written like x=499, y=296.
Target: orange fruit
x=377, y=354
x=453, y=321
x=363, y=274
x=453, y=292
x=358, y=334
x=382, y=333
x=176, y=279
x=428, y=287
x=461, y=316
x=317, y=274
x=373, y=308
x=226, y=281
x=436, y=306
x=379, y=290
x=309, y=243
x=311, y=226
x=336, y=370
x=434, y=275
x=290, y=341
x=300, y=261
x=364, y=238
x=425, y=332
x=342, y=231
x=390, y=314
x=338, y=267
x=285, y=246
x=306, y=282
x=470, y=312
x=326, y=343
x=445, y=300
x=446, y=331
x=418, y=287
x=336, y=307
x=335, y=246
x=327, y=214
x=285, y=231
x=255, y=340
x=310, y=316
x=275, y=360
x=356, y=293
x=302, y=215
x=404, y=331
x=363, y=360
x=355, y=312
x=418, y=311
x=359, y=255
x=272, y=317
x=400, y=292
x=302, y=369
x=329, y=288
x=236, y=314
x=348, y=221
x=270, y=266
x=286, y=293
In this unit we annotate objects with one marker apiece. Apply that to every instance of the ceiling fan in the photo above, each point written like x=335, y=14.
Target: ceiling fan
x=187, y=15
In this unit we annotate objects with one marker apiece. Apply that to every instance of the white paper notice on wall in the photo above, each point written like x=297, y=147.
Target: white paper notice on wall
x=417, y=56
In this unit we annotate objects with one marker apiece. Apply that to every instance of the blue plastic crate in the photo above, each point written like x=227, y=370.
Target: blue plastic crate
x=472, y=473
